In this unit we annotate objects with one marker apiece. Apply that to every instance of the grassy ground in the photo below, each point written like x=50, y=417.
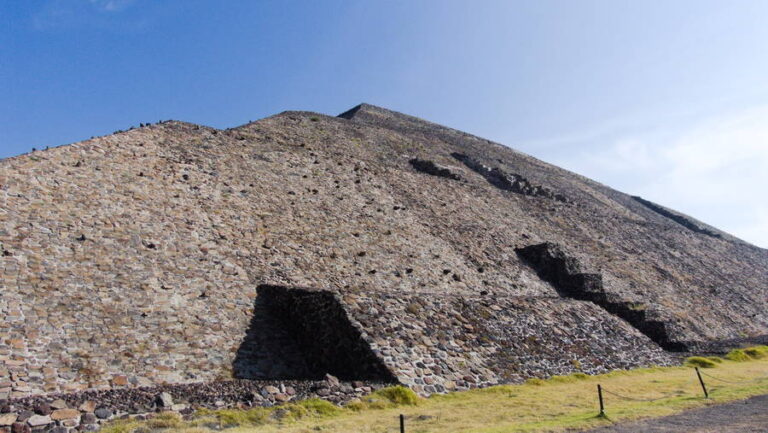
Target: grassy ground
x=556, y=404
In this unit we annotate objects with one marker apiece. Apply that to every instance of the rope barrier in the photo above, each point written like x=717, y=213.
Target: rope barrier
x=734, y=382
x=638, y=399
x=690, y=382
x=699, y=374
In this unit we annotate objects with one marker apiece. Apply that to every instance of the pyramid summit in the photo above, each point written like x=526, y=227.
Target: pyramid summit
x=374, y=246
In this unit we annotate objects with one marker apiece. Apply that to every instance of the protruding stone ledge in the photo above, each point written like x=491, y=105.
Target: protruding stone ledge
x=552, y=264
x=676, y=217
x=508, y=181
x=429, y=167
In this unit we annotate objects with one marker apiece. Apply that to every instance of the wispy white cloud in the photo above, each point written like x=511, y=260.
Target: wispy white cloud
x=715, y=168
x=56, y=14
x=111, y=5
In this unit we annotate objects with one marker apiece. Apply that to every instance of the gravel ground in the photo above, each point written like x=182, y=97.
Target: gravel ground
x=749, y=415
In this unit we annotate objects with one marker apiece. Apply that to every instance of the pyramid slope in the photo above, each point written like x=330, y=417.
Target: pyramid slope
x=135, y=257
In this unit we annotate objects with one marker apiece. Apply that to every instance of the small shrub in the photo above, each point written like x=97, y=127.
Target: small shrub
x=235, y=418
x=700, y=361
x=535, y=381
x=314, y=118
x=377, y=403
x=561, y=379
x=576, y=364
x=318, y=407
x=737, y=355
x=715, y=359
x=291, y=412
x=165, y=420
x=398, y=395
x=355, y=406
x=757, y=352
x=193, y=430
x=120, y=426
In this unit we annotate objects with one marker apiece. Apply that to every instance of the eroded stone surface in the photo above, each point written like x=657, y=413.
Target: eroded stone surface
x=133, y=259
x=438, y=344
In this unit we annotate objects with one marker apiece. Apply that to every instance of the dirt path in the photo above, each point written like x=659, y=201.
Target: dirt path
x=749, y=415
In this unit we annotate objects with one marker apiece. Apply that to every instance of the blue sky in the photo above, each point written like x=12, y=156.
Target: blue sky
x=668, y=100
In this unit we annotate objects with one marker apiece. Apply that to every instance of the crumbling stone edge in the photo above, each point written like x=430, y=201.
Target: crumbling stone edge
x=552, y=264
x=508, y=181
x=680, y=219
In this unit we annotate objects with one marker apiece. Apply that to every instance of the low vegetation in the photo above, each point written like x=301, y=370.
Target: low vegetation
x=741, y=355
x=702, y=362
x=555, y=404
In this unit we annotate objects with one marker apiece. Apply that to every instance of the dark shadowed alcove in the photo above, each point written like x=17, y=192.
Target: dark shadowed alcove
x=299, y=333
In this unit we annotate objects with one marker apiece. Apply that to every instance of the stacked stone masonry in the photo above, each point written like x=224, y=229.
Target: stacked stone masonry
x=564, y=272
x=439, y=344
x=132, y=260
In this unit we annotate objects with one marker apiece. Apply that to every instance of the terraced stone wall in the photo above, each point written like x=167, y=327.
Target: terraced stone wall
x=443, y=343
x=322, y=328
x=554, y=265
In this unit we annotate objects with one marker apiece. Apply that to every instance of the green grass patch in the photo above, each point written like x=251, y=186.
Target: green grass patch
x=749, y=353
x=757, y=352
x=319, y=408
x=398, y=395
x=164, y=420
x=700, y=361
x=236, y=418
x=557, y=404
x=120, y=426
x=561, y=379
x=737, y=355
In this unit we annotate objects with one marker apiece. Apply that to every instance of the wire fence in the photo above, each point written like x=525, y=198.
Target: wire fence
x=648, y=400
x=735, y=382
x=700, y=375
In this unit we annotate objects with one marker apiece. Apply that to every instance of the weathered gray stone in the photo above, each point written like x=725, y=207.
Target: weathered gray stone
x=103, y=413
x=88, y=418
x=39, y=420
x=172, y=225
x=331, y=380
x=165, y=400
x=65, y=414
x=58, y=404
x=7, y=419
x=87, y=406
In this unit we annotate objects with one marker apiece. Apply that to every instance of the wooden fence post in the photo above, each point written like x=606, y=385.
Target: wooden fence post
x=701, y=381
x=600, y=397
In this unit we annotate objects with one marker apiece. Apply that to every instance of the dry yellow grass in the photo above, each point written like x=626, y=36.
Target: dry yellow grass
x=552, y=405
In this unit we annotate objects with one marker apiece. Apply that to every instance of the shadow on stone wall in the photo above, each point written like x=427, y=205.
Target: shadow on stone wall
x=328, y=339
x=269, y=350
x=564, y=272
